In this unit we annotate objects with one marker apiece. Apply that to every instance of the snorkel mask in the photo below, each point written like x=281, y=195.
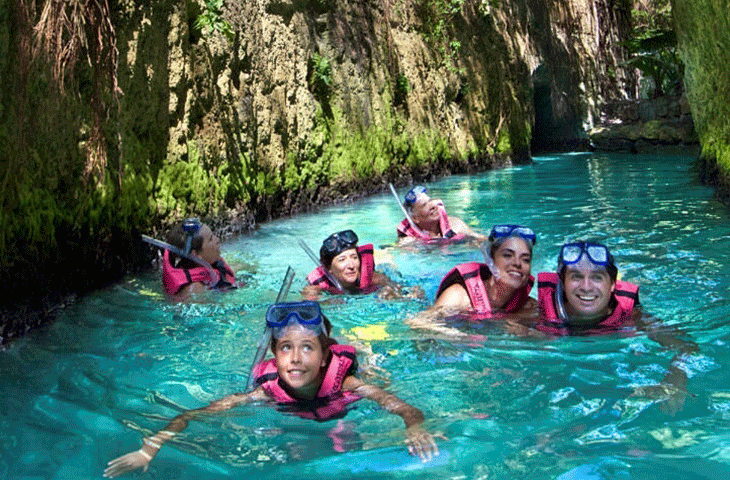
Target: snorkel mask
x=572, y=253
x=190, y=226
x=336, y=244
x=306, y=314
x=412, y=195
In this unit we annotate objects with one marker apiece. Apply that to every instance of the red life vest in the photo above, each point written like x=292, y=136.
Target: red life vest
x=330, y=400
x=625, y=296
x=176, y=278
x=471, y=276
x=317, y=277
x=405, y=229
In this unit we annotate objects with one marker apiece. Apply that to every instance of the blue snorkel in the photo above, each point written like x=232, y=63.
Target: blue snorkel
x=266, y=337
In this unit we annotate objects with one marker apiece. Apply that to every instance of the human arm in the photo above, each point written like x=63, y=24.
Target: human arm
x=390, y=290
x=460, y=227
x=674, y=384
x=141, y=458
x=311, y=292
x=419, y=441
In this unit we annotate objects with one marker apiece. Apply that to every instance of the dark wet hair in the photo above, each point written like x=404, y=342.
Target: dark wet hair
x=610, y=268
x=177, y=237
x=496, y=242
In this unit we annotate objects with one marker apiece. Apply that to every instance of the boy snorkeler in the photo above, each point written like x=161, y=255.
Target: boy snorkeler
x=309, y=374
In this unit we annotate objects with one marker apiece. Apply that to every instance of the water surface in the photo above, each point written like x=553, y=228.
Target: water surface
x=121, y=362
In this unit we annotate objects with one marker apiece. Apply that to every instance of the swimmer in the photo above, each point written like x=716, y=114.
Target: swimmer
x=431, y=220
x=585, y=297
x=309, y=374
x=181, y=276
x=487, y=291
x=353, y=267
x=584, y=293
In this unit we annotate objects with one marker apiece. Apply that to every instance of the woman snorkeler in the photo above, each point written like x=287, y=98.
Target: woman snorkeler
x=492, y=290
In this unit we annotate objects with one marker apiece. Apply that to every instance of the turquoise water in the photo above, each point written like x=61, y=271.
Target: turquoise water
x=121, y=362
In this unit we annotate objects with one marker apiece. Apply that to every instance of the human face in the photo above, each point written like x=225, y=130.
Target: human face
x=210, y=251
x=425, y=209
x=345, y=267
x=299, y=358
x=513, y=259
x=588, y=290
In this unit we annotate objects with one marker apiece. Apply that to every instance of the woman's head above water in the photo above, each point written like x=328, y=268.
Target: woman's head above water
x=340, y=257
x=511, y=251
x=192, y=236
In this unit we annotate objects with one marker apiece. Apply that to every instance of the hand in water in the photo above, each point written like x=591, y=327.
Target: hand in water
x=422, y=443
x=671, y=398
x=127, y=463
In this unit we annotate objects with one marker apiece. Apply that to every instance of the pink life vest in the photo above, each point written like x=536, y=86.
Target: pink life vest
x=330, y=400
x=405, y=229
x=317, y=277
x=625, y=296
x=470, y=276
x=176, y=278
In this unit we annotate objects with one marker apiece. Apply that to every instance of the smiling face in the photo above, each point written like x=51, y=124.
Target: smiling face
x=345, y=268
x=210, y=250
x=588, y=290
x=299, y=358
x=513, y=259
x=425, y=209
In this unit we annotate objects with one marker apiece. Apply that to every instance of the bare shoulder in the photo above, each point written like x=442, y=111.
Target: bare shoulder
x=454, y=296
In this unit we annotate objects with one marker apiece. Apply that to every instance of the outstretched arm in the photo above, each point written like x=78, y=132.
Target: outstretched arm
x=459, y=226
x=674, y=384
x=389, y=290
x=419, y=441
x=141, y=458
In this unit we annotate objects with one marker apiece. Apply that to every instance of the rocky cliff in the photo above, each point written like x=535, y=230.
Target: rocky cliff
x=242, y=111
x=703, y=30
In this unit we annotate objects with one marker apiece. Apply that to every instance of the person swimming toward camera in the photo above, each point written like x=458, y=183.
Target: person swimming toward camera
x=182, y=275
x=584, y=294
x=310, y=376
x=430, y=219
x=485, y=291
x=584, y=297
x=346, y=267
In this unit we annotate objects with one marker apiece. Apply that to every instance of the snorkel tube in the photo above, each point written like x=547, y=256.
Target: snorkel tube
x=559, y=305
x=317, y=262
x=484, y=248
x=405, y=212
x=266, y=337
x=215, y=277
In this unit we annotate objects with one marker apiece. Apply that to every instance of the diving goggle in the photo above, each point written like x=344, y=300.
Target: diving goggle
x=338, y=242
x=190, y=227
x=571, y=253
x=413, y=194
x=505, y=230
x=306, y=313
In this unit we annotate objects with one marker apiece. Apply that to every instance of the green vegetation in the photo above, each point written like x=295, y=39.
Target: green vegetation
x=401, y=90
x=211, y=20
x=437, y=19
x=319, y=77
x=703, y=31
x=653, y=46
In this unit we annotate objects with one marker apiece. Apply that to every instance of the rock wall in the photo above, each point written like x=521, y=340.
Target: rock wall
x=703, y=34
x=270, y=107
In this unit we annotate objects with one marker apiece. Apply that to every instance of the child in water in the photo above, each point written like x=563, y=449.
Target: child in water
x=309, y=373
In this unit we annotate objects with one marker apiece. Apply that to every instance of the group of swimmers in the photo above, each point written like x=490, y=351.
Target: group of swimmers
x=314, y=377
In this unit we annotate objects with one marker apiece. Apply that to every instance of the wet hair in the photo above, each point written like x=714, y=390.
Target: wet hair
x=324, y=338
x=495, y=244
x=177, y=238
x=610, y=268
